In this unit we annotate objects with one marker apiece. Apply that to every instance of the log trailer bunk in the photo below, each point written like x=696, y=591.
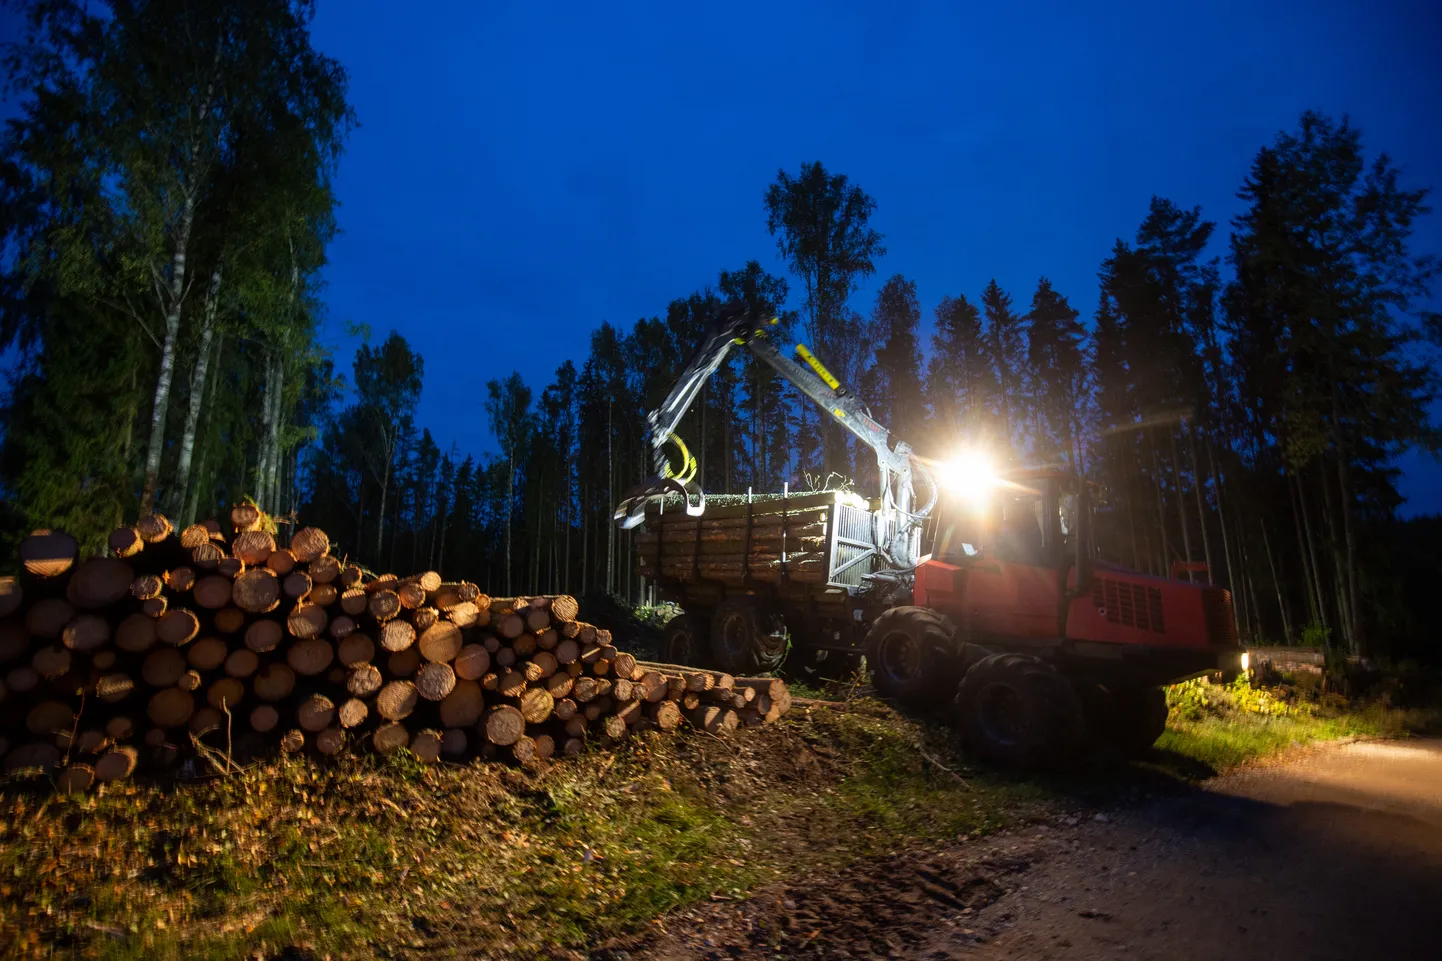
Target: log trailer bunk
x=1010, y=617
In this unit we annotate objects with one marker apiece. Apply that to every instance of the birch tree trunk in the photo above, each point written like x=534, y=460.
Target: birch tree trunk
x=161, y=406
x=276, y=413
x=192, y=488
x=198, y=382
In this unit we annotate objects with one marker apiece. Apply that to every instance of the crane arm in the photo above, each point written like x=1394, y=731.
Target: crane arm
x=737, y=327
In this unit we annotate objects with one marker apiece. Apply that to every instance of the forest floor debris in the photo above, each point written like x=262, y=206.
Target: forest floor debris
x=385, y=857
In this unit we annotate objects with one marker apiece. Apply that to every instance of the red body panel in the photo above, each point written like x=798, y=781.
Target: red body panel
x=990, y=598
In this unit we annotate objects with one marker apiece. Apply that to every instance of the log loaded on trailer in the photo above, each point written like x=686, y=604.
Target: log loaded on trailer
x=1009, y=616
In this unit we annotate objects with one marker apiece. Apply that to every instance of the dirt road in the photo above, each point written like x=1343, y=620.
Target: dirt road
x=1331, y=854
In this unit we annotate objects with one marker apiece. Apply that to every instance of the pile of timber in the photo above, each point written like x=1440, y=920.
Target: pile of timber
x=179, y=642
x=768, y=539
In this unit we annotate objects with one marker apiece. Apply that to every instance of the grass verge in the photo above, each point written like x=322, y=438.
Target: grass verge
x=1219, y=726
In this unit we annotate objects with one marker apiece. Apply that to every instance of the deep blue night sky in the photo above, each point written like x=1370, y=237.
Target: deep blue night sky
x=525, y=170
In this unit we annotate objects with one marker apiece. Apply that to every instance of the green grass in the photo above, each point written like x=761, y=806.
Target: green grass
x=1222, y=726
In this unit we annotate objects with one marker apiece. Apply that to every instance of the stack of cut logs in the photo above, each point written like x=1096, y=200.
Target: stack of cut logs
x=768, y=540
x=179, y=642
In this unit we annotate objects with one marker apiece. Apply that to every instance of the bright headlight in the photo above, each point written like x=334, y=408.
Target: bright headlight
x=1246, y=661
x=968, y=475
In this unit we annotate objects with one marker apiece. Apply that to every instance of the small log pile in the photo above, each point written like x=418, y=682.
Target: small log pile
x=177, y=642
x=767, y=539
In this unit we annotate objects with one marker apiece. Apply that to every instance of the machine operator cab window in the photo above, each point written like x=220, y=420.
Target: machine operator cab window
x=1034, y=524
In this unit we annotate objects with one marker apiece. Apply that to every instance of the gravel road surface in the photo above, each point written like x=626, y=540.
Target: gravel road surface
x=1331, y=853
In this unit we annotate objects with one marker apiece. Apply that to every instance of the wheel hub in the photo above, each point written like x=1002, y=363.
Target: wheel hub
x=900, y=656
x=1001, y=713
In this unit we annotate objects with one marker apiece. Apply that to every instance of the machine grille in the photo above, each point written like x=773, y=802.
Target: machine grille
x=1221, y=622
x=1132, y=605
x=853, y=539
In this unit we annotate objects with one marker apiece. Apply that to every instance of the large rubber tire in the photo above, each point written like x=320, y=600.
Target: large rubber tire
x=1017, y=711
x=914, y=656
x=745, y=639
x=1139, y=716
x=686, y=639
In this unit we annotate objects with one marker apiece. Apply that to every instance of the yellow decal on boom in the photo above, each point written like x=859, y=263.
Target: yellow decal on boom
x=817, y=366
